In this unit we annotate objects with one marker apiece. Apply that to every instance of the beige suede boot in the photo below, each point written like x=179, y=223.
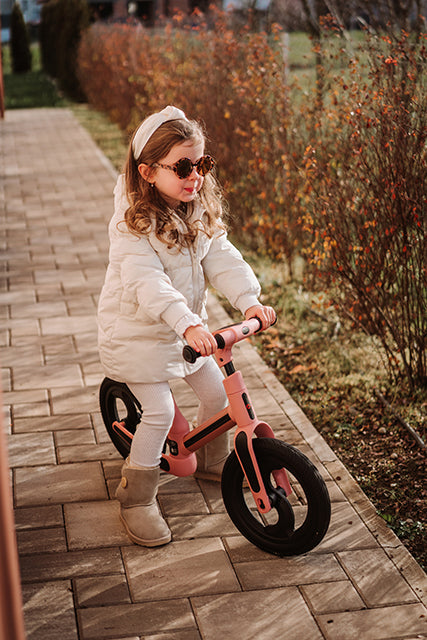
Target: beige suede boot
x=139, y=512
x=211, y=458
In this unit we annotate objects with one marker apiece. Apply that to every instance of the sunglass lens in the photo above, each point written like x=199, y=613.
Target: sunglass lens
x=183, y=168
x=204, y=165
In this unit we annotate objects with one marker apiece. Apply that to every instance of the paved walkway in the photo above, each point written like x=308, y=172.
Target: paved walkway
x=81, y=576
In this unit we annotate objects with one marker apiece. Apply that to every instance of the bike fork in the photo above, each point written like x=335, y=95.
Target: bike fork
x=244, y=415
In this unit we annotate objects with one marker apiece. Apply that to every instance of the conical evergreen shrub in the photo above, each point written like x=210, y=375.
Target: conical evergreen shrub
x=20, y=50
x=62, y=23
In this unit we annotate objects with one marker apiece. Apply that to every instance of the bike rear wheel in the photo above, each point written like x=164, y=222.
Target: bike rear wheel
x=119, y=405
x=295, y=524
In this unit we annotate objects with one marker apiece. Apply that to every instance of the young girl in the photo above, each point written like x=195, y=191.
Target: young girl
x=167, y=241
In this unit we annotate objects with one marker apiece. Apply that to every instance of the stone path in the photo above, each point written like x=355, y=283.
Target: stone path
x=81, y=576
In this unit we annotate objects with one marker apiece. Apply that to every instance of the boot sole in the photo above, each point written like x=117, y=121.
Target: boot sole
x=146, y=543
x=205, y=475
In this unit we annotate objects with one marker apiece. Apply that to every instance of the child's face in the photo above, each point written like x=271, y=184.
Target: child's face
x=173, y=189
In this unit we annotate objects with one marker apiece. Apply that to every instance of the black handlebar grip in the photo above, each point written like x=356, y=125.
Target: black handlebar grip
x=259, y=322
x=190, y=355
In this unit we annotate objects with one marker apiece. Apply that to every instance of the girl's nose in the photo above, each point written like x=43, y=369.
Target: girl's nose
x=194, y=175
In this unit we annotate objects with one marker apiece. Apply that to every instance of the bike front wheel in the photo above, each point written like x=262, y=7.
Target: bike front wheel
x=296, y=523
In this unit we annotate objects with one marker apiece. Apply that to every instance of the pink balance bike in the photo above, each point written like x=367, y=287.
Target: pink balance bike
x=273, y=493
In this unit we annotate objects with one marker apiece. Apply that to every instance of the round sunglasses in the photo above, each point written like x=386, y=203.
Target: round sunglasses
x=184, y=167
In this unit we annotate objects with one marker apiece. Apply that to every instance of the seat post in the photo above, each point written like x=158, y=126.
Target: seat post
x=229, y=368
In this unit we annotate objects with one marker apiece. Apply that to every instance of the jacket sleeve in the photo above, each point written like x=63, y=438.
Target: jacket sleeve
x=142, y=274
x=230, y=274
x=143, y=278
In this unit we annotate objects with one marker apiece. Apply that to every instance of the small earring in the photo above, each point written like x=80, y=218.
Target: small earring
x=151, y=184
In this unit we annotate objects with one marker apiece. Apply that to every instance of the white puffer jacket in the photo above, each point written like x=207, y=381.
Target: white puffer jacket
x=152, y=294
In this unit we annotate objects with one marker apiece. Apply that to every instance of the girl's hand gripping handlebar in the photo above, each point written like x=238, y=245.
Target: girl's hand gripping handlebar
x=190, y=355
x=226, y=337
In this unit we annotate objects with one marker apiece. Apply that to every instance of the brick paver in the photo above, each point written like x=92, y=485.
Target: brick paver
x=82, y=578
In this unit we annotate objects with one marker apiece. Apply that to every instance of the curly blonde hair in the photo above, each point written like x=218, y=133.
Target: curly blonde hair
x=148, y=211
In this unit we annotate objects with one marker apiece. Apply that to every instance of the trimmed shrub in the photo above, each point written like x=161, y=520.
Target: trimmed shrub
x=49, y=34
x=337, y=174
x=20, y=51
x=234, y=83
x=62, y=24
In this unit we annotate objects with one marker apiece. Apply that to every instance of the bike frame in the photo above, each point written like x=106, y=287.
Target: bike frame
x=183, y=442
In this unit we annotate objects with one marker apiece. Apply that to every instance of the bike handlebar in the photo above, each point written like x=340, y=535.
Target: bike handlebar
x=227, y=336
x=190, y=355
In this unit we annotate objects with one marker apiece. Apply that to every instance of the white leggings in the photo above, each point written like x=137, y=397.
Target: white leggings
x=158, y=410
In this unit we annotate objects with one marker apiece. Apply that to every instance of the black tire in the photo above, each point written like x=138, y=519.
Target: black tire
x=118, y=403
x=294, y=525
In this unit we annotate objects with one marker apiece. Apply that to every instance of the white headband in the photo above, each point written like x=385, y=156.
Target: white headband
x=151, y=124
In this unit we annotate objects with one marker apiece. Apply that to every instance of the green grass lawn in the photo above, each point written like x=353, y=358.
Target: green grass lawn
x=31, y=89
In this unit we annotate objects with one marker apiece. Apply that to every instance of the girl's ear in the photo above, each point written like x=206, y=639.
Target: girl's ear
x=145, y=171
